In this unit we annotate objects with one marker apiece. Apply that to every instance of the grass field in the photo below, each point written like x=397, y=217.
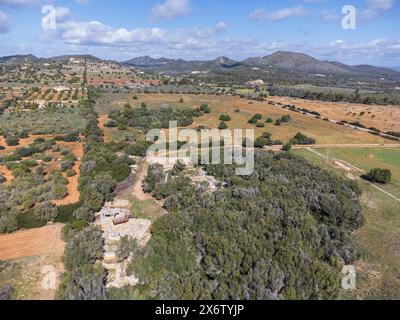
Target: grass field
x=385, y=118
x=370, y=158
x=378, y=270
x=323, y=131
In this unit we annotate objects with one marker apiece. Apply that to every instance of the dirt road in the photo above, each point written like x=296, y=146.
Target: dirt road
x=137, y=188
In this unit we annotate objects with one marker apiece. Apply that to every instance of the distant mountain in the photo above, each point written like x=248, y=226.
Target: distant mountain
x=396, y=68
x=178, y=66
x=295, y=62
x=147, y=61
x=302, y=63
x=77, y=56
x=29, y=58
x=278, y=63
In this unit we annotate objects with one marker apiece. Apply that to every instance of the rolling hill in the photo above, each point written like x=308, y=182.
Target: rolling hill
x=281, y=62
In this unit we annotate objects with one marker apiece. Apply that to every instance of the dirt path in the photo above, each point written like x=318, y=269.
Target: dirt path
x=137, y=188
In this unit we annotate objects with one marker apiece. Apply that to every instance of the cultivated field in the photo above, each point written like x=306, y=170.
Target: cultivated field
x=25, y=255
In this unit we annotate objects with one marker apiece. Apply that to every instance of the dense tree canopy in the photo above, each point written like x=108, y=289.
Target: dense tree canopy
x=281, y=233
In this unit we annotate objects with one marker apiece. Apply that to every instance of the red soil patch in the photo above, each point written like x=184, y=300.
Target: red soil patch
x=29, y=243
x=72, y=187
x=6, y=174
x=120, y=81
x=22, y=143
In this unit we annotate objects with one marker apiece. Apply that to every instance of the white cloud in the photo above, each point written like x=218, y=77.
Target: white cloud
x=282, y=14
x=329, y=15
x=4, y=22
x=376, y=7
x=18, y=3
x=62, y=14
x=170, y=9
x=201, y=43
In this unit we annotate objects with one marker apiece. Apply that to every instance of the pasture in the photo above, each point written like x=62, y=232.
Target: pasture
x=240, y=111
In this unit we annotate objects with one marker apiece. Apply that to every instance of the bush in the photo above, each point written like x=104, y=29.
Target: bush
x=70, y=173
x=225, y=117
x=111, y=124
x=127, y=246
x=86, y=283
x=83, y=247
x=253, y=120
x=2, y=178
x=287, y=147
x=380, y=175
x=27, y=220
x=286, y=118
x=12, y=141
x=205, y=108
x=45, y=212
x=301, y=139
x=222, y=126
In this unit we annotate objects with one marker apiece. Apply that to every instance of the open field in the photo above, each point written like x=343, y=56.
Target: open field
x=25, y=255
x=378, y=240
x=33, y=242
x=368, y=158
x=323, y=131
x=385, y=118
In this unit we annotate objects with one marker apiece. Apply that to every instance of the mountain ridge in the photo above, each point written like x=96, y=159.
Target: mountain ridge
x=281, y=60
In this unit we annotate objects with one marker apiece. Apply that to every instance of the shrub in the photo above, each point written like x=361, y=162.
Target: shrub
x=380, y=175
x=222, y=126
x=286, y=118
x=253, y=120
x=12, y=141
x=127, y=246
x=301, y=139
x=83, y=247
x=269, y=120
x=45, y=212
x=287, y=147
x=225, y=117
x=205, y=108
x=70, y=173
x=111, y=124
x=2, y=178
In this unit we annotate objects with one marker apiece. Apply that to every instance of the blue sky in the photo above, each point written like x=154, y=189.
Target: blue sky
x=203, y=29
